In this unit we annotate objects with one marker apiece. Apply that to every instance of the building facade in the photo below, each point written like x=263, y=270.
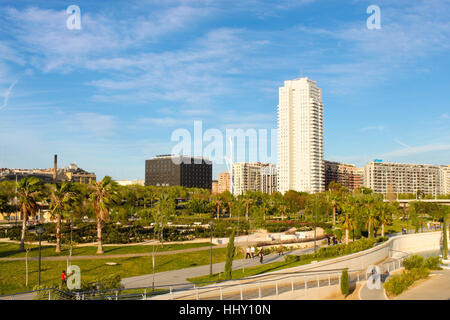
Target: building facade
x=445, y=179
x=402, y=178
x=254, y=176
x=170, y=170
x=269, y=178
x=346, y=175
x=300, y=137
x=246, y=177
x=224, y=182
x=215, y=187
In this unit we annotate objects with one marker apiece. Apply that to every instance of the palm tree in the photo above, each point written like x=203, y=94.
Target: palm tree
x=385, y=211
x=29, y=192
x=282, y=209
x=164, y=209
x=333, y=202
x=218, y=203
x=247, y=203
x=103, y=196
x=349, y=208
x=60, y=198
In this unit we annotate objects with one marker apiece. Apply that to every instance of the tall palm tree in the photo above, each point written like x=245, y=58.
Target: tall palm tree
x=163, y=210
x=247, y=202
x=218, y=202
x=349, y=209
x=385, y=211
x=103, y=196
x=333, y=202
x=29, y=192
x=61, y=197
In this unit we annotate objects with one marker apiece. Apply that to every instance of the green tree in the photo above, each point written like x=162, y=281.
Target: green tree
x=61, y=197
x=229, y=258
x=103, y=196
x=29, y=192
x=345, y=282
x=164, y=208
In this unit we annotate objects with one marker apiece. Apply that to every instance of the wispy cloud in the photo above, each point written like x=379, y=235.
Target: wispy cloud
x=6, y=95
x=417, y=150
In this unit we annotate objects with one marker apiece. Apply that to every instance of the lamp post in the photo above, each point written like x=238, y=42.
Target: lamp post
x=39, y=231
x=211, y=224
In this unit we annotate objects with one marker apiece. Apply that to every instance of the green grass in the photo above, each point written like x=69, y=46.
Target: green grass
x=11, y=250
x=251, y=271
x=12, y=273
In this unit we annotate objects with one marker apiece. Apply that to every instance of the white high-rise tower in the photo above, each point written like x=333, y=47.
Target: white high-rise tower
x=300, y=137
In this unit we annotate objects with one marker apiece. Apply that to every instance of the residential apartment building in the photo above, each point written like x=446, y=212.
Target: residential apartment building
x=246, y=177
x=214, y=187
x=300, y=137
x=346, y=175
x=224, y=182
x=445, y=179
x=403, y=178
x=254, y=177
x=171, y=170
x=269, y=178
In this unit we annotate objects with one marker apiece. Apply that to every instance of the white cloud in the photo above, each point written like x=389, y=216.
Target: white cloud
x=7, y=94
x=90, y=123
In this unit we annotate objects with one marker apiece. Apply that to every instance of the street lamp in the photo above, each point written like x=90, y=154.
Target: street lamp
x=211, y=224
x=39, y=231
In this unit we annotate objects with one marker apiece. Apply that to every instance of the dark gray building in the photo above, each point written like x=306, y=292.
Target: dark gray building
x=169, y=170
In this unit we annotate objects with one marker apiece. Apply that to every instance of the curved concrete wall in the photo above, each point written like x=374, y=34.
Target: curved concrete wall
x=394, y=247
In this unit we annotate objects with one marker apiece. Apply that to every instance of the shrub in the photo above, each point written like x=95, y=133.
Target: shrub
x=399, y=283
x=432, y=263
x=344, y=282
x=413, y=261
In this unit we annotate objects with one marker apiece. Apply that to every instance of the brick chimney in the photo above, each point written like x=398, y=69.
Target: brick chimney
x=55, y=166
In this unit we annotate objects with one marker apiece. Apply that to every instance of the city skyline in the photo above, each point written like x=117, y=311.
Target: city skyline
x=108, y=96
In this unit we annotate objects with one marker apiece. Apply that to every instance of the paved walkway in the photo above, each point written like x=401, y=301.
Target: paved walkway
x=180, y=276
x=437, y=287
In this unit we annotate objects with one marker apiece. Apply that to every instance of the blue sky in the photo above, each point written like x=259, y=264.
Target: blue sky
x=108, y=96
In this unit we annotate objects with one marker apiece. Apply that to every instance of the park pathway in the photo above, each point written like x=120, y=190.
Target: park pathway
x=180, y=276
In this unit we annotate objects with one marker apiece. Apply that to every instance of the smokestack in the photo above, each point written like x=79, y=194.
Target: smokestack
x=55, y=166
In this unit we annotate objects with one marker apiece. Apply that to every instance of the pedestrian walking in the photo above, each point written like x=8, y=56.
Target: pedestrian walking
x=253, y=252
x=280, y=251
x=328, y=238
x=247, y=255
x=63, y=278
x=261, y=256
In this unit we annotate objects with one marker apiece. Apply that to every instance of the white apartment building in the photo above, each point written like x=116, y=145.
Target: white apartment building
x=445, y=179
x=254, y=177
x=269, y=178
x=403, y=178
x=300, y=137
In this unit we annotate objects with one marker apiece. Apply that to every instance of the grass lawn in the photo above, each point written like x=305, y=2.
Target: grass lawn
x=251, y=271
x=11, y=250
x=12, y=273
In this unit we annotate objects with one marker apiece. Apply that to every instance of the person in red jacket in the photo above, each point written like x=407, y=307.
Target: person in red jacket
x=63, y=278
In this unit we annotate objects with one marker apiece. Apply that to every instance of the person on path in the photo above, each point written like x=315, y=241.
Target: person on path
x=247, y=255
x=63, y=278
x=280, y=252
x=253, y=252
x=261, y=256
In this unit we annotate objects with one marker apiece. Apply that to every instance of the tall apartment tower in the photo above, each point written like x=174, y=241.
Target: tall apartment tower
x=300, y=137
